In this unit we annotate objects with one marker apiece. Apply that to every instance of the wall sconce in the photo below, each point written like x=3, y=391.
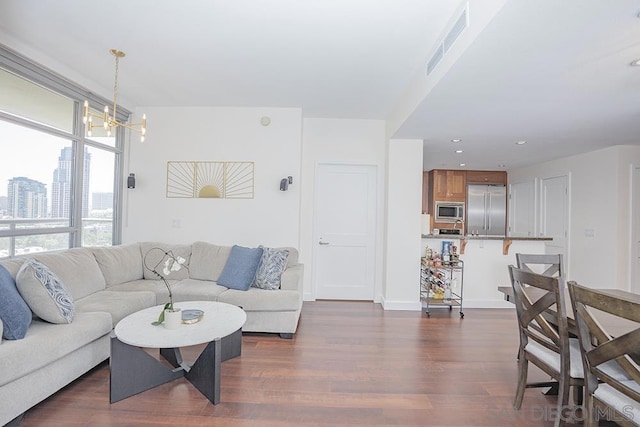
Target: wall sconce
x=284, y=183
x=131, y=180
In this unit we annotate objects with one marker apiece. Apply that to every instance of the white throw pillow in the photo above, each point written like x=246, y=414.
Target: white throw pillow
x=45, y=294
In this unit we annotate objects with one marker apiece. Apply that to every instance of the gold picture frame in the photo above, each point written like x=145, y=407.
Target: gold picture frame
x=213, y=180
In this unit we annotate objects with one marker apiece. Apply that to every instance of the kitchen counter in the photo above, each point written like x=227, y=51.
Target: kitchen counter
x=506, y=240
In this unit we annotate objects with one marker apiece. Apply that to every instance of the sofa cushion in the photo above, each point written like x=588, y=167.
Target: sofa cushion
x=13, y=265
x=117, y=304
x=207, y=261
x=46, y=342
x=240, y=269
x=152, y=257
x=77, y=268
x=293, y=256
x=14, y=311
x=45, y=293
x=156, y=286
x=195, y=290
x=119, y=264
x=262, y=300
x=272, y=264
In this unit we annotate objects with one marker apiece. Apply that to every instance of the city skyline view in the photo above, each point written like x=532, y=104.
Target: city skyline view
x=35, y=156
x=29, y=198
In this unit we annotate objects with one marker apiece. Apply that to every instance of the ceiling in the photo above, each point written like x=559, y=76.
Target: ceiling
x=555, y=74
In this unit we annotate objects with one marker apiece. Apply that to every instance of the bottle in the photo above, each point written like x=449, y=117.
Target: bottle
x=446, y=258
x=447, y=291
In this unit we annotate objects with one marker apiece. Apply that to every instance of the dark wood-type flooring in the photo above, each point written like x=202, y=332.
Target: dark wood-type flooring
x=350, y=363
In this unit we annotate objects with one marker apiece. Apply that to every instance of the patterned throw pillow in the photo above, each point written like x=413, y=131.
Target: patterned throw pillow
x=272, y=264
x=45, y=294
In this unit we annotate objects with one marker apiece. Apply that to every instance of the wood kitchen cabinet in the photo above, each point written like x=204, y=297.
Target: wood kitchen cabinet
x=487, y=177
x=425, y=193
x=448, y=185
x=439, y=185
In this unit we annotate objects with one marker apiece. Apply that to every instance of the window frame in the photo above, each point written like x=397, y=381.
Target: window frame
x=23, y=67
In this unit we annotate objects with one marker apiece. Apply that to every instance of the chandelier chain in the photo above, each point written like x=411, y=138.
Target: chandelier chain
x=115, y=89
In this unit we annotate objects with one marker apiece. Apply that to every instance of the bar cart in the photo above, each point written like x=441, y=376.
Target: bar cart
x=441, y=284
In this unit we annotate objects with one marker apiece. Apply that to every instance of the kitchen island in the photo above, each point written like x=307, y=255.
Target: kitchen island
x=486, y=261
x=506, y=241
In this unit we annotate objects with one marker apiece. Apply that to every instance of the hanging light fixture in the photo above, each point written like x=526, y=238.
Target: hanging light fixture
x=109, y=121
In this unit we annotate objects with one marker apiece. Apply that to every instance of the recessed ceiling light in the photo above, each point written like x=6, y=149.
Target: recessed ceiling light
x=456, y=140
x=463, y=164
x=521, y=142
x=458, y=151
x=502, y=166
x=635, y=63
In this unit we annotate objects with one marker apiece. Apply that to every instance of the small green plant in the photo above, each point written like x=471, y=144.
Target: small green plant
x=169, y=263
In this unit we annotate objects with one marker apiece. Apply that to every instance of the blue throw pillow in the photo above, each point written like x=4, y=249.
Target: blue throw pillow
x=240, y=269
x=14, y=312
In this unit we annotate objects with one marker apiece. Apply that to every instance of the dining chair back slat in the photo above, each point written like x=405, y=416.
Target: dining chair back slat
x=544, y=264
x=610, y=363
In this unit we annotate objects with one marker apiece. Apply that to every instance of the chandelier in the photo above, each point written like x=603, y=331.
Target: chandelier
x=109, y=120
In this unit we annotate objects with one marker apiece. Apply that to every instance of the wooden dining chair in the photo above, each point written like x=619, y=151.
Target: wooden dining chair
x=546, y=264
x=610, y=363
x=544, y=338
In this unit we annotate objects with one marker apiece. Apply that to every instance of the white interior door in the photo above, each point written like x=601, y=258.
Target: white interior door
x=344, y=232
x=522, y=209
x=635, y=233
x=554, y=218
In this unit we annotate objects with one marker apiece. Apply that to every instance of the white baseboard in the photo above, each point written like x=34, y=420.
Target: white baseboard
x=417, y=306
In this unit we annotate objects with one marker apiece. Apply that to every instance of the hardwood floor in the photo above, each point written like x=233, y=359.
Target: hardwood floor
x=350, y=363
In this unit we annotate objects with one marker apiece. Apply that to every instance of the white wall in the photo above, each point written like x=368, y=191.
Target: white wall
x=600, y=193
x=338, y=141
x=271, y=218
x=403, y=244
x=486, y=268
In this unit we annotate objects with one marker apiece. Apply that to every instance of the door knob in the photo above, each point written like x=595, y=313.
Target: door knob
x=323, y=243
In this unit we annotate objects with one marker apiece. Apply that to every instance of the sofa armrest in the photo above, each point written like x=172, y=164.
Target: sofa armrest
x=291, y=278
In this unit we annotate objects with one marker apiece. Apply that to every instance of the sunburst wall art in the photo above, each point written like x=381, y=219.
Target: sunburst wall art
x=218, y=180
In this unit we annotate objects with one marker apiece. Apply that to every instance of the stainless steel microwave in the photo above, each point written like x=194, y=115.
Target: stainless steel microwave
x=449, y=211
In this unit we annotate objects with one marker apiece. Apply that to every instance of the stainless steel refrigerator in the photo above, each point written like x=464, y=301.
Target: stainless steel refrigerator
x=486, y=210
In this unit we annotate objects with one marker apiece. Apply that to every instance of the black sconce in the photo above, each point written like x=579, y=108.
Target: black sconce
x=284, y=183
x=131, y=180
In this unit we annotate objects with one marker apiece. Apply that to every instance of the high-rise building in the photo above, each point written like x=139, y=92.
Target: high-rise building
x=61, y=186
x=4, y=203
x=27, y=198
x=101, y=201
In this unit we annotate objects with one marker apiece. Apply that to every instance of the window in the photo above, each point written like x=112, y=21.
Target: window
x=57, y=188
x=97, y=224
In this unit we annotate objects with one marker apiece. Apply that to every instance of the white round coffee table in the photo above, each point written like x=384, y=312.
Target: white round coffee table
x=133, y=370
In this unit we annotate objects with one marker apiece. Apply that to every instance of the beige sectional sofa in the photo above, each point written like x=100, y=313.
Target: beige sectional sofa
x=110, y=283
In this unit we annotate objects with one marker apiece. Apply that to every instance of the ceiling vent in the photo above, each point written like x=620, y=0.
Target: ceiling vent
x=449, y=39
x=435, y=59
